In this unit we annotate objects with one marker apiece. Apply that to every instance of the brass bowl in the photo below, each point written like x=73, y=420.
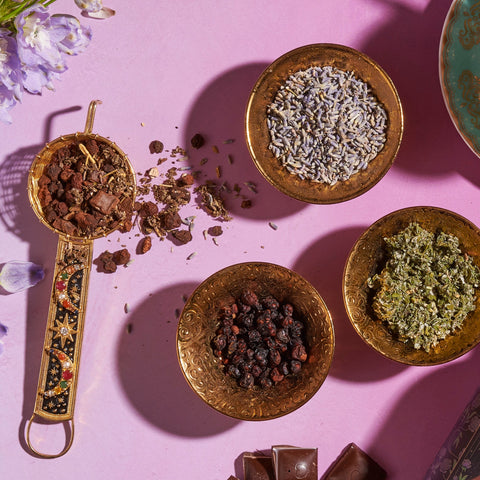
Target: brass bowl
x=204, y=372
x=368, y=257
x=263, y=93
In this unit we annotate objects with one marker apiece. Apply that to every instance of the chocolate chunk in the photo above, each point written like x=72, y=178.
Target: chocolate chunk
x=144, y=245
x=148, y=209
x=104, y=202
x=85, y=221
x=92, y=146
x=76, y=180
x=170, y=220
x=65, y=226
x=156, y=146
x=121, y=257
x=257, y=467
x=354, y=463
x=61, y=208
x=52, y=171
x=197, y=141
x=43, y=180
x=44, y=196
x=215, y=231
x=294, y=463
x=106, y=262
x=183, y=236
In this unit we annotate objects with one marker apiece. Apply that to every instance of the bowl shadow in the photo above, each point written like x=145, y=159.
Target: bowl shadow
x=322, y=264
x=218, y=114
x=150, y=373
x=407, y=47
x=421, y=420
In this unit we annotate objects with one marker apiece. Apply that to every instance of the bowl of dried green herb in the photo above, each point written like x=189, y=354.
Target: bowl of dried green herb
x=411, y=286
x=324, y=123
x=255, y=341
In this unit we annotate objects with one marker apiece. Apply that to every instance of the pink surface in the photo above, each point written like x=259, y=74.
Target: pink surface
x=166, y=70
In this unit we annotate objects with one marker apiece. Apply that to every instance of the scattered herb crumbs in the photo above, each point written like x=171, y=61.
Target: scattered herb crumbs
x=427, y=287
x=193, y=254
x=273, y=225
x=126, y=308
x=215, y=149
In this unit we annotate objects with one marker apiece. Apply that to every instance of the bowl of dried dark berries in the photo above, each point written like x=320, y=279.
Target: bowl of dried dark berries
x=411, y=286
x=255, y=341
x=324, y=123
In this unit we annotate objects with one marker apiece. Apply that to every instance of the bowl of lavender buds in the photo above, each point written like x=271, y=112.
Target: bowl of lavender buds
x=324, y=123
x=255, y=341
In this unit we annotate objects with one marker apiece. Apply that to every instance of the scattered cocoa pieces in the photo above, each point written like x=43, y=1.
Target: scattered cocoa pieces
x=144, y=245
x=215, y=231
x=183, y=236
x=197, y=141
x=156, y=146
x=106, y=262
x=246, y=204
x=121, y=257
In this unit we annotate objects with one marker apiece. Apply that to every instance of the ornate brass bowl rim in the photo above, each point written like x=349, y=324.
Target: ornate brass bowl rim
x=366, y=258
x=203, y=371
x=263, y=93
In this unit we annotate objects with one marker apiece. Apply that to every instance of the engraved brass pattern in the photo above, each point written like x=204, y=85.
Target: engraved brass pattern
x=470, y=35
x=258, y=136
x=204, y=372
x=367, y=257
x=469, y=84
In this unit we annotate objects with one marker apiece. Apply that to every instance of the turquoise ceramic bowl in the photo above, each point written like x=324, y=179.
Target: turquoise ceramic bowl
x=460, y=69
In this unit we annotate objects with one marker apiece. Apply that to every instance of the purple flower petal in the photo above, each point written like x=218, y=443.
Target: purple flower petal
x=3, y=330
x=76, y=38
x=16, y=276
x=89, y=6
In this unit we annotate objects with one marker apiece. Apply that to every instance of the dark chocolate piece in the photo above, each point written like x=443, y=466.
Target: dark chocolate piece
x=295, y=463
x=354, y=463
x=231, y=477
x=257, y=467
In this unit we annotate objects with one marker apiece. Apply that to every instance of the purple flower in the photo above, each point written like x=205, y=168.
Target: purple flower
x=16, y=276
x=7, y=102
x=10, y=75
x=43, y=42
x=77, y=38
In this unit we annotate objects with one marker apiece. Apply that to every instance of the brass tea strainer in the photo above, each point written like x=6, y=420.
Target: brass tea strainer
x=60, y=361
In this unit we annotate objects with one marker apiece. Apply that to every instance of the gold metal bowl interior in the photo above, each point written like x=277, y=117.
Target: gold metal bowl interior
x=263, y=93
x=44, y=157
x=204, y=372
x=367, y=257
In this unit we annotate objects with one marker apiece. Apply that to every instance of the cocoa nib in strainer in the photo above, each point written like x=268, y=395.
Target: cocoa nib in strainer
x=85, y=189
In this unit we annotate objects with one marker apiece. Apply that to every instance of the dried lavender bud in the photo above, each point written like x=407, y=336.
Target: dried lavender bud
x=341, y=124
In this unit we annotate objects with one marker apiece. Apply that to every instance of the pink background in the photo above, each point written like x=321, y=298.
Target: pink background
x=167, y=70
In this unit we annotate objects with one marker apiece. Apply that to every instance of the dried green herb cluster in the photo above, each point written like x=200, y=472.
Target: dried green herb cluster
x=427, y=287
